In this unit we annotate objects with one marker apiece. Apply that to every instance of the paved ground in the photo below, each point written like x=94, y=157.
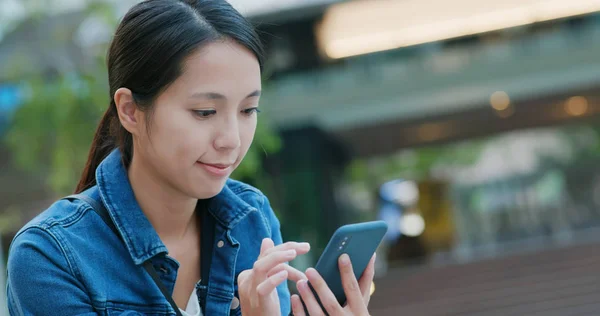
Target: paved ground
x=552, y=282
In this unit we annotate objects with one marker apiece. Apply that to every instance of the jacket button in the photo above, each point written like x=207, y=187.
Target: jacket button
x=220, y=244
x=235, y=303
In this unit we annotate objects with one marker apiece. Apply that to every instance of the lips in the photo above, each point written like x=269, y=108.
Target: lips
x=217, y=165
x=216, y=169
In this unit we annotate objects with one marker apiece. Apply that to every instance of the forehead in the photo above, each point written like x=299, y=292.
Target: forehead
x=223, y=66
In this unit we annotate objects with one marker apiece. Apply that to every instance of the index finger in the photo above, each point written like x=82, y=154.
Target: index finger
x=300, y=247
x=266, y=245
x=263, y=265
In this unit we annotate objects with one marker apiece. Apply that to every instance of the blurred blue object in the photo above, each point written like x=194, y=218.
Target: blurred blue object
x=388, y=191
x=390, y=211
x=10, y=98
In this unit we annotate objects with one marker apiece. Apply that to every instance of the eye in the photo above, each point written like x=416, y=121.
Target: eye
x=204, y=113
x=251, y=111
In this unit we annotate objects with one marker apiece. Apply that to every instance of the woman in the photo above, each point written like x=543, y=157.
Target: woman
x=158, y=227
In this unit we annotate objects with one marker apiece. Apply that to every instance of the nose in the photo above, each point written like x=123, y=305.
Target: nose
x=228, y=135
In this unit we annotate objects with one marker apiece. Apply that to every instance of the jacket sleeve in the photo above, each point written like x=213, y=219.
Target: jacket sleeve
x=41, y=281
x=282, y=290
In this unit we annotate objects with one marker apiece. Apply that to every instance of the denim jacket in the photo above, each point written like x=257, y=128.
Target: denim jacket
x=67, y=261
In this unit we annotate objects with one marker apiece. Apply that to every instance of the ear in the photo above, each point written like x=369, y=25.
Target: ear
x=127, y=110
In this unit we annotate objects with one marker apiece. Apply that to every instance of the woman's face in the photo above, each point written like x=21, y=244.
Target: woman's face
x=203, y=124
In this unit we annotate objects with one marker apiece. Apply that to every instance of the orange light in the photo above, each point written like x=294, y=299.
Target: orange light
x=576, y=106
x=500, y=101
x=358, y=27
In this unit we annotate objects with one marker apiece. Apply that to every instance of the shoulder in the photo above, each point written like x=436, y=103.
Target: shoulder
x=47, y=253
x=40, y=244
x=34, y=246
x=48, y=234
x=62, y=213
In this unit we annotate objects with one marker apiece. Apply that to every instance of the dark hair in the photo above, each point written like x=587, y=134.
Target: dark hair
x=146, y=55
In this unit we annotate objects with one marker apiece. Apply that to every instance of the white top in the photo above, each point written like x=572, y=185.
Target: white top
x=193, y=306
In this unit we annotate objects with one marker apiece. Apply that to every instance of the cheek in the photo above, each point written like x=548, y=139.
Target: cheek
x=188, y=143
x=247, y=132
x=175, y=138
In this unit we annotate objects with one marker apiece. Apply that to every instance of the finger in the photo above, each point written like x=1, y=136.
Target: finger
x=300, y=247
x=264, y=265
x=366, y=280
x=268, y=285
x=328, y=300
x=246, y=287
x=309, y=298
x=243, y=276
x=353, y=295
x=297, y=308
x=293, y=273
x=265, y=246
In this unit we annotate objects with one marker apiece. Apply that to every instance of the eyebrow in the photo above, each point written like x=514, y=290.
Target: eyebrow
x=218, y=96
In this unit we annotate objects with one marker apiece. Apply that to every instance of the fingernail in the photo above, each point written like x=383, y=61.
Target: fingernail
x=291, y=253
x=344, y=259
x=374, y=257
x=281, y=274
x=310, y=272
x=301, y=285
x=304, y=245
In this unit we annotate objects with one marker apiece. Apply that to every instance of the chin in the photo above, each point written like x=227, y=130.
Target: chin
x=208, y=191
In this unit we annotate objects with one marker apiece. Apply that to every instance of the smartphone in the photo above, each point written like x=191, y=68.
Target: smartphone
x=359, y=241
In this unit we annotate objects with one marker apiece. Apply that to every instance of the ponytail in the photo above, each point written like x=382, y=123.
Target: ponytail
x=110, y=135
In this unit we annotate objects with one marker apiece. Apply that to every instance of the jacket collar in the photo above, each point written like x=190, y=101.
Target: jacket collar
x=140, y=237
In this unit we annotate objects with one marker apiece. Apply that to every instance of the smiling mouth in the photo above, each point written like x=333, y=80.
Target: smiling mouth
x=219, y=170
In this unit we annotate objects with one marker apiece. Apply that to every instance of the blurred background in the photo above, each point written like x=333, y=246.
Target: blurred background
x=470, y=127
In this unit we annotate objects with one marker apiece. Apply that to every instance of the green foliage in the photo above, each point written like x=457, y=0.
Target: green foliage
x=51, y=133
x=266, y=142
x=414, y=163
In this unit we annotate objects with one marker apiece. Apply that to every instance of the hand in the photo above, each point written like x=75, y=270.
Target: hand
x=257, y=286
x=358, y=293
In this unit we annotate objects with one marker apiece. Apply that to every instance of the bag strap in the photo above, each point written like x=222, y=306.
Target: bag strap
x=154, y=275
x=207, y=241
x=99, y=208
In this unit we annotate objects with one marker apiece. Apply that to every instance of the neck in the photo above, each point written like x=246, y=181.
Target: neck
x=170, y=212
